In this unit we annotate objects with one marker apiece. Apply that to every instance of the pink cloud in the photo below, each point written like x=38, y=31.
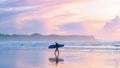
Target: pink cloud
x=54, y=1
x=74, y=28
x=55, y=15
x=111, y=30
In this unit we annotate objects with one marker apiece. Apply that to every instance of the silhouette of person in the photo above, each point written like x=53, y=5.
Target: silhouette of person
x=57, y=59
x=56, y=49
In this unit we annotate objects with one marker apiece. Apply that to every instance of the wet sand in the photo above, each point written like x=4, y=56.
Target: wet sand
x=66, y=59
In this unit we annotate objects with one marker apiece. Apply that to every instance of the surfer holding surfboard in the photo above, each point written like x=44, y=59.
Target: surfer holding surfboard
x=56, y=46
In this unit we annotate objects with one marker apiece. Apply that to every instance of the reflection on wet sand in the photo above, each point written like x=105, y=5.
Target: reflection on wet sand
x=56, y=60
x=46, y=59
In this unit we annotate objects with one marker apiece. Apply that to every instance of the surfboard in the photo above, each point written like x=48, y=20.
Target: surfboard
x=54, y=46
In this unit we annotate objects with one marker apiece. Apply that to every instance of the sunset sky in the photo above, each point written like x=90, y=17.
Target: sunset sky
x=100, y=18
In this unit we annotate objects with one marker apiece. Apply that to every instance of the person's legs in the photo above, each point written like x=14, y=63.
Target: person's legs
x=56, y=52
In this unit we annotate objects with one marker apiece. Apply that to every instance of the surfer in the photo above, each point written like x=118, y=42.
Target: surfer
x=56, y=48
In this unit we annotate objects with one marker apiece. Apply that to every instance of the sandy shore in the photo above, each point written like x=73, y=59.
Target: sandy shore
x=66, y=59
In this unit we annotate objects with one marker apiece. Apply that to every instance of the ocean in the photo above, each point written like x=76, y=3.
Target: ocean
x=68, y=46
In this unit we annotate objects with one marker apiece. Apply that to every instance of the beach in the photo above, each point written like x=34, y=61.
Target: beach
x=36, y=57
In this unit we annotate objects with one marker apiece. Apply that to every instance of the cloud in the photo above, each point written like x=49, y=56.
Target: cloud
x=14, y=9
x=7, y=27
x=25, y=27
x=75, y=28
x=113, y=25
x=53, y=2
x=2, y=1
x=11, y=3
x=8, y=14
x=60, y=17
x=111, y=30
x=32, y=26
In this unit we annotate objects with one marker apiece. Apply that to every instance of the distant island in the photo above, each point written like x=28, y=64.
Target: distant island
x=39, y=37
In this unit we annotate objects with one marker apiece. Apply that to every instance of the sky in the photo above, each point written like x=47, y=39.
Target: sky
x=100, y=18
